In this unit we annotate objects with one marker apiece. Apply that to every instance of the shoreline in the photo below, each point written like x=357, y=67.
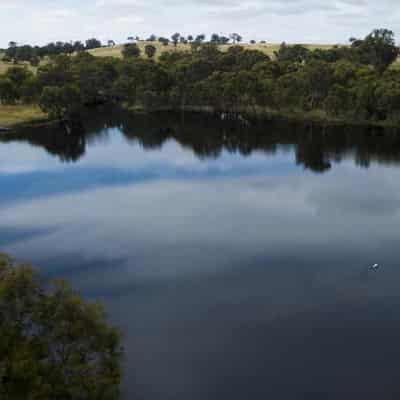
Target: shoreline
x=13, y=117
x=316, y=116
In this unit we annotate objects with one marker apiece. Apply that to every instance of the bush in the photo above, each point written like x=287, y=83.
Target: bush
x=8, y=91
x=60, y=102
x=131, y=50
x=53, y=344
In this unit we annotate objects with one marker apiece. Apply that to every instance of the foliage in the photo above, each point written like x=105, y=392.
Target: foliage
x=131, y=50
x=8, y=91
x=236, y=38
x=92, y=44
x=53, y=344
x=150, y=50
x=18, y=84
x=377, y=49
x=291, y=54
x=60, y=102
x=175, y=38
x=164, y=41
x=33, y=54
x=342, y=82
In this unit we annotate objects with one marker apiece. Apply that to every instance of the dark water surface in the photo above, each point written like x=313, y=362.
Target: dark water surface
x=236, y=261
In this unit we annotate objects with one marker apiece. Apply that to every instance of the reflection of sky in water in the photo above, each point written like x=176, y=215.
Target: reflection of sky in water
x=220, y=272
x=40, y=175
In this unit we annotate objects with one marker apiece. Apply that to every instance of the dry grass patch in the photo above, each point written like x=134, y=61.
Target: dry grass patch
x=4, y=66
x=19, y=114
x=117, y=50
x=268, y=48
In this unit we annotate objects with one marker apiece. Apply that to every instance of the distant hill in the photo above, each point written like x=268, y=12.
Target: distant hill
x=268, y=48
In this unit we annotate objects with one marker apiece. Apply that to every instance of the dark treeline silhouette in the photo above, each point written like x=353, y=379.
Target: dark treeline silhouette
x=347, y=83
x=317, y=147
x=33, y=54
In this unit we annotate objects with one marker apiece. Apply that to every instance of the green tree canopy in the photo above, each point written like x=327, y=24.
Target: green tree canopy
x=295, y=53
x=131, y=50
x=175, y=38
x=377, y=49
x=53, y=345
x=60, y=102
x=150, y=50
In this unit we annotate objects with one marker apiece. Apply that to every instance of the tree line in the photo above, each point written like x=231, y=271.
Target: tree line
x=33, y=54
x=355, y=82
x=317, y=147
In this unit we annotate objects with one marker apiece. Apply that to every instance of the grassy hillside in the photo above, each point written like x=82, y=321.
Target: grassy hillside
x=117, y=51
x=265, y=48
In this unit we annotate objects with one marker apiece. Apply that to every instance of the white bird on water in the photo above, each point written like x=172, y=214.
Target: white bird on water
x=375, y=266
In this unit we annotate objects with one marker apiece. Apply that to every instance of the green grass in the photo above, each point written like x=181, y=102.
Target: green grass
x=20, y=114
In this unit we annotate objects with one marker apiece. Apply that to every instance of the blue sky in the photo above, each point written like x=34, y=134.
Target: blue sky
x=41, y=21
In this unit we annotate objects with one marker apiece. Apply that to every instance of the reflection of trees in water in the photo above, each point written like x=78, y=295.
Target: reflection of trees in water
x=69, y=147
x=316, y=147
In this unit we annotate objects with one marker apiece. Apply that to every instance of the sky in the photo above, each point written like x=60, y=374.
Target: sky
x=293, y=21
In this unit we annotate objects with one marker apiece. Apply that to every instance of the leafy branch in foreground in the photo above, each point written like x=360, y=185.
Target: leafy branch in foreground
x=53, y=345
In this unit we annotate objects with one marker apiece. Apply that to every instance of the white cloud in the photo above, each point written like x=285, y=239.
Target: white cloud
x=274, y=20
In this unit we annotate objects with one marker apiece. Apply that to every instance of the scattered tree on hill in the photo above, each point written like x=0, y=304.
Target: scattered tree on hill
x=236, y=38
x=164, y=41
x=200, y=38
x=110, y=43
x=150, y=50
x=53, y=344
x=93, y=44
x=78, y=46
x=217, y=39
x=197, y=43
x=152, y=38
x=190, y=38
x=131, y=50
x=214, y=38
x=224, y=40
x=377, y=49
x=175, y=38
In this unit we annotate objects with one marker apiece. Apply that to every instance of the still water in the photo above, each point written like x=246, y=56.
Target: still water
x=235, y=260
